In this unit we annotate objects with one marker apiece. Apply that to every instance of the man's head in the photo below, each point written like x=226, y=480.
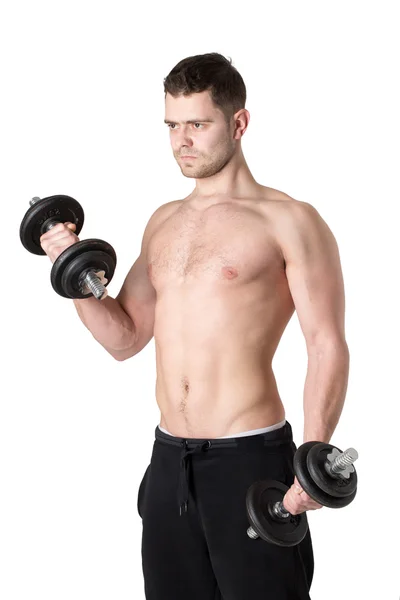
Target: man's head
x=205, y=98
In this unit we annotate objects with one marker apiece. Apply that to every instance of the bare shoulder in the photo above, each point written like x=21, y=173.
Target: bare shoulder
x=165, y=210
x=288, y=213
x=283, y=204
x=297, y=224
x=160, y=215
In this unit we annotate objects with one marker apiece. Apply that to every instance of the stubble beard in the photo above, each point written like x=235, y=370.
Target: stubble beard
x=211, y=167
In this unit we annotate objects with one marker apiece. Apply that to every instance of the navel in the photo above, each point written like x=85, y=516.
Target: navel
x=185, y=385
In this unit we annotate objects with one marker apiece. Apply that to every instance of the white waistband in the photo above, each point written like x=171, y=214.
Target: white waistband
x=243, y=433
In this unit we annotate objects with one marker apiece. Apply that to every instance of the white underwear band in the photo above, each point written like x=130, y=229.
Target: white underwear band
x=243, y=433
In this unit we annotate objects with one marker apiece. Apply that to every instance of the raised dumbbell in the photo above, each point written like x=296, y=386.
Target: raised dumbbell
x=84, y=268
x=324, y=472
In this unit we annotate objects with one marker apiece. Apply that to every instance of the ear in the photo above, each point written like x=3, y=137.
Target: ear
x=241, y=121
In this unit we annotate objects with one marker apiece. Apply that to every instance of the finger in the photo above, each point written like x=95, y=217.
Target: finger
x=60, y=227
x=297, y=486
x=293, y=502
x=306, y=498
x=295, y=508
x=56, y=236
x=296, y=500
x=56, y=227
x=57, y=244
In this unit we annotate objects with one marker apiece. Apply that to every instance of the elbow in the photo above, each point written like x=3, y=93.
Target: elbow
x=119, y=358
x=329, y=346
x=126, y=350
x=344, y=349
x=123, y=355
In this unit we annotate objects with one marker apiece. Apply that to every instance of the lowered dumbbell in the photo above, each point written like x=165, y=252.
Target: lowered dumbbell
x=84, y=268
x=324, y=472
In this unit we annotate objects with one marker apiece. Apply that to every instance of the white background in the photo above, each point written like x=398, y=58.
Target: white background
x=82, y=111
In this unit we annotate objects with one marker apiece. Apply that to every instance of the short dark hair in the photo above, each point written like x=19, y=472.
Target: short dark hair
x=212, y=72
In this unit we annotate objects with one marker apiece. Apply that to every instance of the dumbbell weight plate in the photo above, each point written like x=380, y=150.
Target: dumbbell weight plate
x=337, y=487
x=60, y=208
x=91, y=254
x=310, y=486
x=260, y=498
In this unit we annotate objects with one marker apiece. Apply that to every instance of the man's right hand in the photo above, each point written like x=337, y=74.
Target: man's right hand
x=57, y=239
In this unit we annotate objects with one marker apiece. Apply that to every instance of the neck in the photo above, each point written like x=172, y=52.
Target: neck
x=234, y=180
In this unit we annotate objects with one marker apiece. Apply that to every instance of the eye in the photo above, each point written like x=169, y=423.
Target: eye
x=170, y=125
x=198, y=124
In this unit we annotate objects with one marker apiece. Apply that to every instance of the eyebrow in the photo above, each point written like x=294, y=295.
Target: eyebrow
x=190, y=121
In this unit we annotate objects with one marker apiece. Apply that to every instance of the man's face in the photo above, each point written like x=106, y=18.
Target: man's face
x=198, y=129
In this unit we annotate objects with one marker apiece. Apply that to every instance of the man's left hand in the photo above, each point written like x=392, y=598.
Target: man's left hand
x=297, y=501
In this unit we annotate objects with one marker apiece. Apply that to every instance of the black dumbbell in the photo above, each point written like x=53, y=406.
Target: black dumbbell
x=324, y=472
x=81, y=270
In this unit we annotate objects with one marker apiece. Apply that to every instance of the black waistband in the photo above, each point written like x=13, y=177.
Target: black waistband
x=276, y=437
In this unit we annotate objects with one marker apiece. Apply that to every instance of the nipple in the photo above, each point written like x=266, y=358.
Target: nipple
x=229, y=272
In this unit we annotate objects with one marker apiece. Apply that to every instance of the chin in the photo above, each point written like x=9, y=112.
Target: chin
x=188, y=171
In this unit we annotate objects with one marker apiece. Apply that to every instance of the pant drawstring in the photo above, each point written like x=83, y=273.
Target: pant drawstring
x=183, y=493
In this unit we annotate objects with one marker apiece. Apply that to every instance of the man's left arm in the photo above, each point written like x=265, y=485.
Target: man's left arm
x=315, y=279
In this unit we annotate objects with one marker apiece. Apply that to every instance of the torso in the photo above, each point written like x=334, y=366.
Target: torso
x=223, y=302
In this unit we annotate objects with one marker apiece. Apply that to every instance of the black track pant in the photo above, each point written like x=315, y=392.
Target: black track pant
x=192, y=504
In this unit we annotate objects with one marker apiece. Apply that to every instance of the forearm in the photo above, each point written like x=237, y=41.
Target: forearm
x=325, y=391
x=109, y=324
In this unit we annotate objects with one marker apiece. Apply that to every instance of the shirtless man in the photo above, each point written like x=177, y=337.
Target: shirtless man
x=218, y=278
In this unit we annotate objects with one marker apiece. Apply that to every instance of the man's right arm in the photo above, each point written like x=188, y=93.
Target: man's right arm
x=124, y=325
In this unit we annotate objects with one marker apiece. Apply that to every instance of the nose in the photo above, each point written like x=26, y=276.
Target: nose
x=182, y=139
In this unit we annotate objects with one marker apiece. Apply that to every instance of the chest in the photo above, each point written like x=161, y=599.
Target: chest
x=218, y=244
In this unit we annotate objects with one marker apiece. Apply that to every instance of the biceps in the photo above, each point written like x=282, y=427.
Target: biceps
x=138, y=298
x=316, y=285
